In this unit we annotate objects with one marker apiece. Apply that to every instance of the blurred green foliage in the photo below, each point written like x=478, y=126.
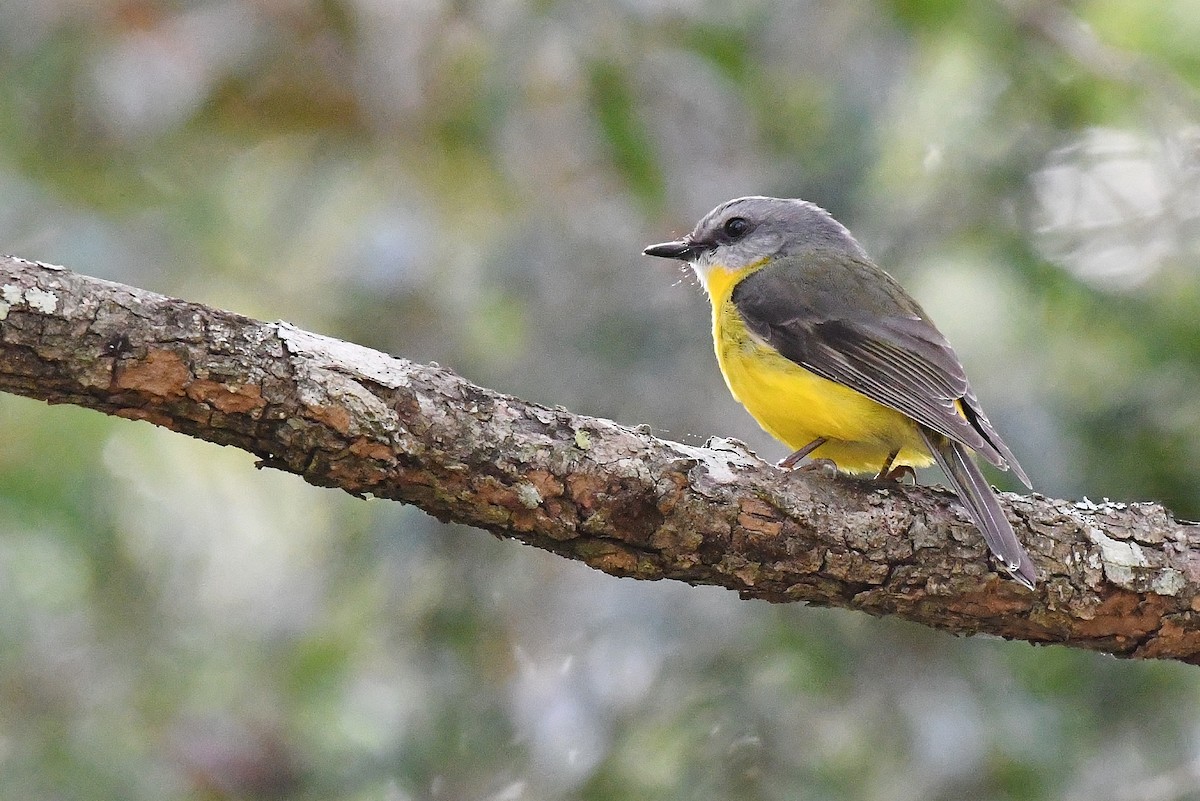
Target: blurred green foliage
x=472, y=183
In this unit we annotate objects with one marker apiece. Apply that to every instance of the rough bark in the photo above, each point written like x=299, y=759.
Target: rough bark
x=1119, y=578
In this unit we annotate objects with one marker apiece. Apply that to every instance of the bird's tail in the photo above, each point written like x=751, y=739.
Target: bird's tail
x=984, y=507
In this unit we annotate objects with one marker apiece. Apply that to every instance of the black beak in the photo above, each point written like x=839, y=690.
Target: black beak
x=683, y=249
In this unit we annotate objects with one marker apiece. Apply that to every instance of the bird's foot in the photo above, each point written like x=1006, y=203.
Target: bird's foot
x=898, y=474
x=791, y=461
x=826, y=467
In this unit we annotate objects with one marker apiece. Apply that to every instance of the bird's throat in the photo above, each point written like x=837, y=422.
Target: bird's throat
x=719, y=280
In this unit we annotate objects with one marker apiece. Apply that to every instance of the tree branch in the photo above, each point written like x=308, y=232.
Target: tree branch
x=1118, y=578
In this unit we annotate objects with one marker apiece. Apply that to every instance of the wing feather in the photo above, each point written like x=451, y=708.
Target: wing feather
x=880, y=344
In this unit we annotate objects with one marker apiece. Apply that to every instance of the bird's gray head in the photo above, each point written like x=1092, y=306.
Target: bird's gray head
x=742, y=232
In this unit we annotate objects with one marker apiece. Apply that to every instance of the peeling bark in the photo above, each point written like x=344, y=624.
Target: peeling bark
x=1119, y=578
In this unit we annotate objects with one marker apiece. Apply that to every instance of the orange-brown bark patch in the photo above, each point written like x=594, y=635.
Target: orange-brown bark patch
x=1124, y=614
x=759, y=518
x=491, y=492
x=371, y=449
x=546, y=483
x=336, y=417
x=584, y=488
x=228, y=398
x=612, y=559
x=149, y=415
x=161, y=374
x=1173, y=640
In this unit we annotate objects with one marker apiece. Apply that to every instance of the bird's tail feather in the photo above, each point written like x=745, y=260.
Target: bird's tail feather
x=984, y=507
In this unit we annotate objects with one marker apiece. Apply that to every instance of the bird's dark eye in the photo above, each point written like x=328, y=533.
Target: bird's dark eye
x=736, y=227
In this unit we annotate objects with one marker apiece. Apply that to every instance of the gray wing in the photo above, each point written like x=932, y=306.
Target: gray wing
x=880, y=343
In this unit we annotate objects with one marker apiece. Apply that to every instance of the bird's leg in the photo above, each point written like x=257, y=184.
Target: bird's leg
x=790, y=462
x=896, y=474
x=887, y=464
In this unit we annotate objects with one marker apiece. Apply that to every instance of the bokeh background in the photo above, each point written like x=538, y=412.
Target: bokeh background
x=471, y=183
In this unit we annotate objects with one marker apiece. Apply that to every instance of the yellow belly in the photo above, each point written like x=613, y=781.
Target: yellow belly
x=797, y=407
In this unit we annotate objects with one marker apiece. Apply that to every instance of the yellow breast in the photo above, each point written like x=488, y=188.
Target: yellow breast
x=796, y=406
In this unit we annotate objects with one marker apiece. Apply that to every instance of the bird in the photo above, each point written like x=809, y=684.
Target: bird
x=831, y=356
